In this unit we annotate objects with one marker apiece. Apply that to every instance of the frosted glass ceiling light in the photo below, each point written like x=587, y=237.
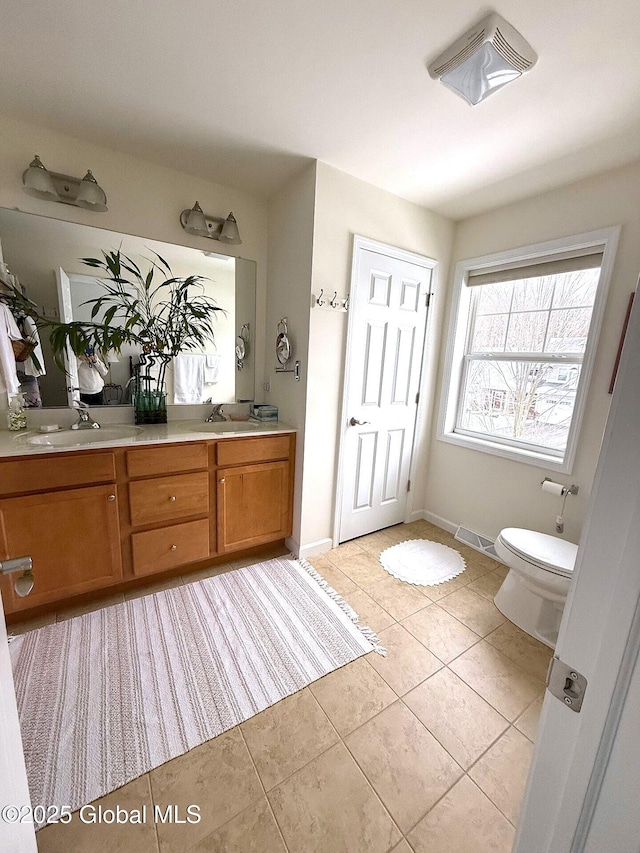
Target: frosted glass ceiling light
x=195, y=221
x=54, y=186
x=484, y=60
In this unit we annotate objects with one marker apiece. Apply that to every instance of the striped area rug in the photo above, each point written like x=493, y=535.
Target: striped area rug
x=107, y=696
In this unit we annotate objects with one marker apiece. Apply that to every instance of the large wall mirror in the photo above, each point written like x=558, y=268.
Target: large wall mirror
x=46, y=256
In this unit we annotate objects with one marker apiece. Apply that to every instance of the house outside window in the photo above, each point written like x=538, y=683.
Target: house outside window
x=522, y=342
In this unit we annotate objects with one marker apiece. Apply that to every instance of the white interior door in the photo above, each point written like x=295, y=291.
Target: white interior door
x=582, y=795
x=387, y=321
x=66, y=316
x=16, y=827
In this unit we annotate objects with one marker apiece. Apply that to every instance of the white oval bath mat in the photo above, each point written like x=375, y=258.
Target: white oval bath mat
x=421, y=562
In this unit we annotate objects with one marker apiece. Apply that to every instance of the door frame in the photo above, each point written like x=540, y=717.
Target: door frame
x=368, y=244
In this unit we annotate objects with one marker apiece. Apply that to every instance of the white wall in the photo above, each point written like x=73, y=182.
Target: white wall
x=345, y=206
x=486, y=492
x=144, y=199
x=291, y=214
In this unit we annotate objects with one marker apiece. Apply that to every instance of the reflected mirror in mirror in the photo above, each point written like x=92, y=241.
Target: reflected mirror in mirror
x=45, y=254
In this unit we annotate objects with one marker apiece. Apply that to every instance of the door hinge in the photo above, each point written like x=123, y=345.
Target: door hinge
x=428, y=299
x=408, y=485
x=417, y=398
x=566, y=684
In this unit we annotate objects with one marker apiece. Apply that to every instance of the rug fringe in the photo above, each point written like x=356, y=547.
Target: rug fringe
x=346, y=608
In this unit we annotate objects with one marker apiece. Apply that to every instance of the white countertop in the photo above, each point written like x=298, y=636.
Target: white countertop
x=17, y=444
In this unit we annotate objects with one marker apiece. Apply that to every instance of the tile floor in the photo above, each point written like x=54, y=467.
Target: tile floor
x=426, y=750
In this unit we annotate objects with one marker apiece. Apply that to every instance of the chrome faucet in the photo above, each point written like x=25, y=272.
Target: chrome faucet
x=85, y=421
x=216, y=414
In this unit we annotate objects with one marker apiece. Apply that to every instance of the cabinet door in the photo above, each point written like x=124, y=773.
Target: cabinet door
x=253, y=505
x=73, y=538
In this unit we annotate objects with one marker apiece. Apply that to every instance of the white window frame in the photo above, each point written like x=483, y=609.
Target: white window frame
x=605, y=240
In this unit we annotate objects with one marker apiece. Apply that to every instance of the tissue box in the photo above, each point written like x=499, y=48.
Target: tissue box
x=264, y=412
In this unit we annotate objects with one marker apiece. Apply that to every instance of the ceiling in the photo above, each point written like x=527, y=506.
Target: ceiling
x=246, y=93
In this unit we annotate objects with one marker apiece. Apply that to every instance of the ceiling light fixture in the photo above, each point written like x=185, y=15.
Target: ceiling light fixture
x=53, y=186
x=484, y=60
x=195, y=221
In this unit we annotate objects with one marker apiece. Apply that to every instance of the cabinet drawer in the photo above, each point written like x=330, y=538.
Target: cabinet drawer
x=166, y=498
x=158, y=550
x=42, y=473
x=171, y=458
x=243, y=450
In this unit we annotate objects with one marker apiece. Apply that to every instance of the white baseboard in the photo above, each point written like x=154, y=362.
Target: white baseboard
x=451, y=526
x=312, y=548
x=415, y=515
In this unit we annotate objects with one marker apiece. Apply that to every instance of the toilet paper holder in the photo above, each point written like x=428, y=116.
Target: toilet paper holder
x=564, y=490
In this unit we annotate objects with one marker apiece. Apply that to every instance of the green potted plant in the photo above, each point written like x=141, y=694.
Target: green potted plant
x=160, y=313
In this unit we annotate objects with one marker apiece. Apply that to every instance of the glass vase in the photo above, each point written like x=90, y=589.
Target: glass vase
x=150, y=397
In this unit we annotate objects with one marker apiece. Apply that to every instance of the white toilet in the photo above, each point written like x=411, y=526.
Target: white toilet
x=533, y=594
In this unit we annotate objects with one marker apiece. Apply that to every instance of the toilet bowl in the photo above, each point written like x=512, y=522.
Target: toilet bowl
x=533, y=594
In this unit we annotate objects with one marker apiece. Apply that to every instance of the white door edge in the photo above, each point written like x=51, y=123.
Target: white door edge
x=367, y=244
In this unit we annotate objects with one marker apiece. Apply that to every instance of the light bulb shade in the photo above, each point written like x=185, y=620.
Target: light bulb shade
x=480, y=75
x=37, y=181
x=196, y=222
x=91, y=196
x=229, y=232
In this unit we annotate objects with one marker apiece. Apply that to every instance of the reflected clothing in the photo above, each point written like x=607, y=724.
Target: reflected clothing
x=91, y=376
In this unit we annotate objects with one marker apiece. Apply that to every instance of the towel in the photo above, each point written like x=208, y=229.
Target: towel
x=188, y=378
x=9, y=331
x=30, y=332
x=211, y=368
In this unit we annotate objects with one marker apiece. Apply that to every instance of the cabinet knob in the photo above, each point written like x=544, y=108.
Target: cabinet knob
x=172, y=498
x=174, y=547
x=223, y=479
x=111, y=498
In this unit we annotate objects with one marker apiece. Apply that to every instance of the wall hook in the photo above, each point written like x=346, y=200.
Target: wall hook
x=346, y=302
x=320, y=300
x=334, y=301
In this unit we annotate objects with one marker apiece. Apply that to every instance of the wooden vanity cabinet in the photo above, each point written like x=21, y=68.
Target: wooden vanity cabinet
x=72, y=534
x=99, y=520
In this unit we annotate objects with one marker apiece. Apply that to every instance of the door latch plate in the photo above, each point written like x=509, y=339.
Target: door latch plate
x=566, y=684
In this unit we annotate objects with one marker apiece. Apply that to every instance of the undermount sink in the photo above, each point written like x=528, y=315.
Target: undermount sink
x=79, y=437
x=225, y=426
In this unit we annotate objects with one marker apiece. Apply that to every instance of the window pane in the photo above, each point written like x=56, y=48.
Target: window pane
x=489, y=333
x=568, y=330
x=532, y=294
x=528, y=402
x=494, y=298
x=575, y=289
x=526, y=331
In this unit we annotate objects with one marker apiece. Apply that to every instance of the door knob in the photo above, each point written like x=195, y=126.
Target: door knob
x=355, y=422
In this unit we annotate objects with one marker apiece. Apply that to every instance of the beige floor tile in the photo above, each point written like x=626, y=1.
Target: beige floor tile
x=209, y=572
x=80, y=837
x=403, y=847
x=461, y=720
x=497, y=679
x=31, y=624
x=407, y=662
x=369, y=611
x=376, y=542
x=488, y=585
x=334, y=577
x=352, y=695
x=308, y=733
x=399, y=533
x=363, y=568
x=528, y=721
x=440, y=632
x=522, y=649
x=406, y=765
x=218, y=776
x=252, y=831
x=347, y=549
x=398, y=598
x=502, y=772
x=473, y=610
x=328, y=805
x=464, y=821
x=152, y=588
x=90, y=607
x=439, y=590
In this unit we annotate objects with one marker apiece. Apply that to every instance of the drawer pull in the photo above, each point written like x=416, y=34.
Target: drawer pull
x=111, y=498
x=223, y=480
x=172, y=498
x=174, y=548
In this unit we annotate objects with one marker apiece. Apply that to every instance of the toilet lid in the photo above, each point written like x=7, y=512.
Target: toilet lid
x=547, y=551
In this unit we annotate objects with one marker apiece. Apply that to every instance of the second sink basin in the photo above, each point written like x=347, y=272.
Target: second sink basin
x=226, y=426
x=79, y=437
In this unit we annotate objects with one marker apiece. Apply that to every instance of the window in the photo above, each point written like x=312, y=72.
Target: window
x=521, y=348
